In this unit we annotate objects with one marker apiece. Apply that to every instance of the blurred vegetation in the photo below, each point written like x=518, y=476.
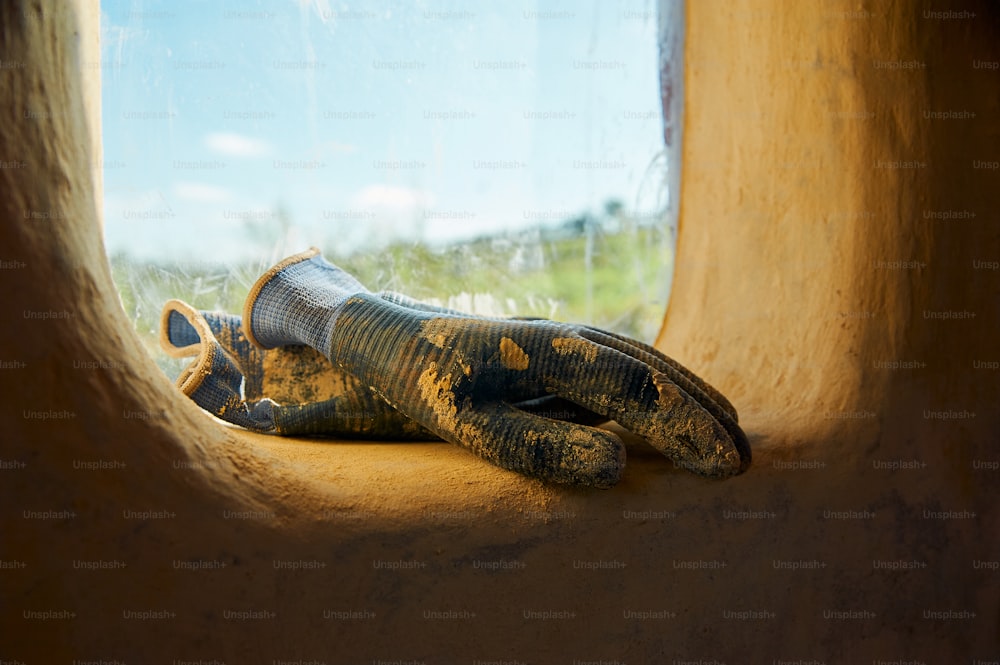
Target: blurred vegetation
x=609, y=270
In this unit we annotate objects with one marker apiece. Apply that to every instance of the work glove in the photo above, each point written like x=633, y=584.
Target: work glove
x=293, y=390
x=461, y=377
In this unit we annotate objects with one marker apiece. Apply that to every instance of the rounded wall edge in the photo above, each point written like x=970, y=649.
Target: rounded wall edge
x=797, y=205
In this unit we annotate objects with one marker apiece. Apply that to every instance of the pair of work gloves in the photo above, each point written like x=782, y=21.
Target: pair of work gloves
x=315, y=352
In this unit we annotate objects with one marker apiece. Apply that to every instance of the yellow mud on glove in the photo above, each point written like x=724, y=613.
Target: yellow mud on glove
x=462, y=377
x=289, y=391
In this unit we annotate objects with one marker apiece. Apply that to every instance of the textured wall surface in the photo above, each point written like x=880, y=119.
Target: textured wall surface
x=827, y=225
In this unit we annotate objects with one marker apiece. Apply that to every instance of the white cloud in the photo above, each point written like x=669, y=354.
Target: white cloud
x=341, y=148
x=236, y=145
x=200, y=193
x=391, y=198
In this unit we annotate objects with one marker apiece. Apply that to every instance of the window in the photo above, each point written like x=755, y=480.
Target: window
x=502, y=158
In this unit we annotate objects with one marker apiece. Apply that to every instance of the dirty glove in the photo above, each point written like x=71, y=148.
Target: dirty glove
x=460, y=377
x=291, y=390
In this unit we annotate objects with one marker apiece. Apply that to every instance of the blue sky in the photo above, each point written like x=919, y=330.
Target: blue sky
x=369, y=121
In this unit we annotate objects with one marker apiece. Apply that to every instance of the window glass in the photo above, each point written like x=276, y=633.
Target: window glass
x=498, y=157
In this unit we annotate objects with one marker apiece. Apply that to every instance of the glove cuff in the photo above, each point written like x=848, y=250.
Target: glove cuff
x=296, y=302
x=180, y=335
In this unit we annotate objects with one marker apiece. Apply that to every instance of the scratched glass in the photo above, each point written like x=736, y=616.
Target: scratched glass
x=503, y=158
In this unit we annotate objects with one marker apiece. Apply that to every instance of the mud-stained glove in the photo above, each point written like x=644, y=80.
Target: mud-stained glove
x=292, y=390
x=461, y=377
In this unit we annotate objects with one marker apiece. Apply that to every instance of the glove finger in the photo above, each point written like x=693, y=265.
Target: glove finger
x=644, y=400
x=649, y=353
x=551, y=450
x=683, y=378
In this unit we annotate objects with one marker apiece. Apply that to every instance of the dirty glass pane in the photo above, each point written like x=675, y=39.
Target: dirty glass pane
x=498, y=157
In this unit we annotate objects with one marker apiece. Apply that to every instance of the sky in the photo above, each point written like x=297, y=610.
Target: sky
x=235, y=128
